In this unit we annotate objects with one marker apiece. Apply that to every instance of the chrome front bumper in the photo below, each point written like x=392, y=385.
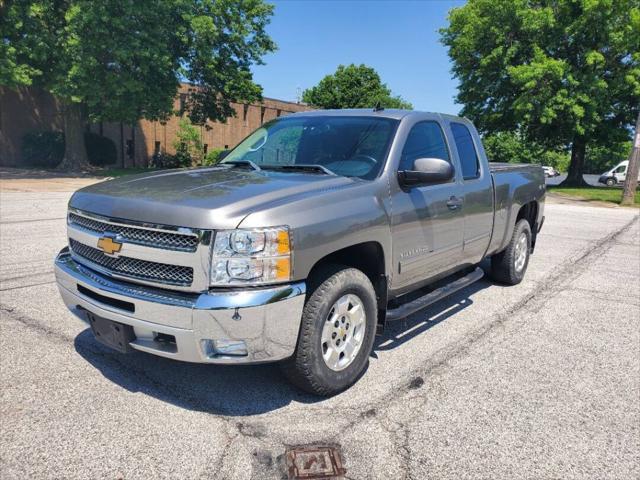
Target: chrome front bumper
x=227, y=327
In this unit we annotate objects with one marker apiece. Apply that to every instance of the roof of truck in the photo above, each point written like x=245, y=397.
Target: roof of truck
x=368, y=112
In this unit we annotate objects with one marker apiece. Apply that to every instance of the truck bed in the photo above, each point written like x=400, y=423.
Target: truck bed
x=515, y=184
x=511, y=167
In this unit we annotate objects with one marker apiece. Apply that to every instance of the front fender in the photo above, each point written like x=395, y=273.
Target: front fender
x=323, y=224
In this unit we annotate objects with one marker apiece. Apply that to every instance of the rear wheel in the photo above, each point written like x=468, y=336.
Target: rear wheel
x=510, y=265
x=336, y=334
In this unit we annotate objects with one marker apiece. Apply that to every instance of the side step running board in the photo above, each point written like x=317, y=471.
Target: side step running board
x=407, y=309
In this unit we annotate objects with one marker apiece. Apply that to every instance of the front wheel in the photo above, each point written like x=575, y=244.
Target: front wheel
x=611, y=182
x=336, y=334
x=510, y=265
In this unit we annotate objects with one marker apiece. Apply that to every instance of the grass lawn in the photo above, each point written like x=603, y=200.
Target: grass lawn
x=600, y=194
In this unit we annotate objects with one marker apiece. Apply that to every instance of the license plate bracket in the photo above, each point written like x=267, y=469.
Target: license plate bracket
x=114, y=335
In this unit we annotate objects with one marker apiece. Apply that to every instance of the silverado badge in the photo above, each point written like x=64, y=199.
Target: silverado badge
x=108, y=245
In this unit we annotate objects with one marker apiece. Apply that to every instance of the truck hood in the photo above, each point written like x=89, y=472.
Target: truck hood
x=208, y=198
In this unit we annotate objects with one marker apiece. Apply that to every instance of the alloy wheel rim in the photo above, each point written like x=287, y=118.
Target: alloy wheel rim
x=343, y=332
x=521, y=252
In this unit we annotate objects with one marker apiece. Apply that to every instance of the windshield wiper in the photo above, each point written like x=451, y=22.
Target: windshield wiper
x=302, y=167
x=243, y=163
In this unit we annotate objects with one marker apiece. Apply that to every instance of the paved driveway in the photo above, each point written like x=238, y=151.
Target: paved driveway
x=541, y=380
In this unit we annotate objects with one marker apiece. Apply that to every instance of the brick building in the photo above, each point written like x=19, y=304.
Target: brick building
x=27, y=109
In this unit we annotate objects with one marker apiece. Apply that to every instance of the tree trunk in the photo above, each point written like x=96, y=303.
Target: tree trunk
x=631, y=180
x=574, y=176
x=75, y=153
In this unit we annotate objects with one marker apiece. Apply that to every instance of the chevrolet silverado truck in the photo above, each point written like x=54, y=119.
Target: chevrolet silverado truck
x=313, y=233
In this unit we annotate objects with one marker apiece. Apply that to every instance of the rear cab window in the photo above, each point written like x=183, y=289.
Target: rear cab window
x=469, y=160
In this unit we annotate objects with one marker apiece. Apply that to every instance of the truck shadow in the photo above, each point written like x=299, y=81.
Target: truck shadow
x=237, y=390
x=401, y=331
x=240, y=390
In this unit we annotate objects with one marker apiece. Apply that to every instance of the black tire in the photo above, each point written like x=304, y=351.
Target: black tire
x=306, y=368
x=611, y=182
x=503, y=264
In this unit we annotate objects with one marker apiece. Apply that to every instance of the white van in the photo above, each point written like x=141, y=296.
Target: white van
x=616, y=175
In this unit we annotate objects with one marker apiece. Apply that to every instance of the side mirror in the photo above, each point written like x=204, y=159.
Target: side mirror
x=223, y=154
x=426, y=171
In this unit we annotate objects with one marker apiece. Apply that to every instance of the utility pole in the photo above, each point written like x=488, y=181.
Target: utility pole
x=631, y=180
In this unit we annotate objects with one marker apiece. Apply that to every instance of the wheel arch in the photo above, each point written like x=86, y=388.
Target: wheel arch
x=529, y=212
x=369, y=258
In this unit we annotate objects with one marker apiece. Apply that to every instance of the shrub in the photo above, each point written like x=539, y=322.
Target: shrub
x=101, y=150
x=212, y=157
x=43, y=149
x=188, y=143
x=182, y=159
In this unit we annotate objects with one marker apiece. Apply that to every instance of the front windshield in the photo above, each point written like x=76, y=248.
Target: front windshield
x=348, y=146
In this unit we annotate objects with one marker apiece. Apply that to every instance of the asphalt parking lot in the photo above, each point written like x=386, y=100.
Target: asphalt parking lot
x=541, y=380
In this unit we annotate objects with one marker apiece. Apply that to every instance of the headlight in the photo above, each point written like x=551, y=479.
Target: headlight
x=256, y=257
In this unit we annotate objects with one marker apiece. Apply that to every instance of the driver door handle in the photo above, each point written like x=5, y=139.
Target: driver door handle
x=454, y=202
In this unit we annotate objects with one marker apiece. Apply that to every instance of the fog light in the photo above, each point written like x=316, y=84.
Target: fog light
x=232, y=348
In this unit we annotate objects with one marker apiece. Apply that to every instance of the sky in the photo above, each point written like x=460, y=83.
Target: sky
x=398, y=38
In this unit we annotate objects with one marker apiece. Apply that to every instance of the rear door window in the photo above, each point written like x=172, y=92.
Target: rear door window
x=466, y=151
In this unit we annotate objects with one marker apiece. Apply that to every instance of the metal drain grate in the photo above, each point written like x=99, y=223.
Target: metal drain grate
x=314, y=462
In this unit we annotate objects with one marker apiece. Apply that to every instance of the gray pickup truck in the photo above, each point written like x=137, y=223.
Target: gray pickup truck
x=311, y=235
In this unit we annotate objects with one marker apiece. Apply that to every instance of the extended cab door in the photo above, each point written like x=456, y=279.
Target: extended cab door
x=476, y=190
x=427, y=221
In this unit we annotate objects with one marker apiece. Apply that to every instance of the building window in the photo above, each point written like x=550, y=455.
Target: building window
x=130, y=149
x=156, y=148
x=205, y=148
x=262, y=109
x=226, y=147
x=278, y=112
x=245, y=113
x=183, y=102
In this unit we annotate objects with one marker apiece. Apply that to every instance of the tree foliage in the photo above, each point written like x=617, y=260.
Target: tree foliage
x=122, y=61
x=512, y=147
x=562, y=72
x=353, y=86
x=600, y=158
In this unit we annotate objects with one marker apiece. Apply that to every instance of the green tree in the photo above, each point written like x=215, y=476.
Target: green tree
x=122, y=61
x=353, y=86
x=600, y=158
x=566, y=73
x=512, y=147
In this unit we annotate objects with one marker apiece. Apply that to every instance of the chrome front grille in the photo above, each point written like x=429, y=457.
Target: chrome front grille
x=140, y=236
x=133, y=267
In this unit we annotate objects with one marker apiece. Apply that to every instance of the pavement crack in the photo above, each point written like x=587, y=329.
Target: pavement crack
x=27, y=286
x=33, y=324
x=12, y=222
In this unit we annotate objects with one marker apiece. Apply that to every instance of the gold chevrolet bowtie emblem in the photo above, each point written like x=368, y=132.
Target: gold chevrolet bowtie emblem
x=109, y=246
